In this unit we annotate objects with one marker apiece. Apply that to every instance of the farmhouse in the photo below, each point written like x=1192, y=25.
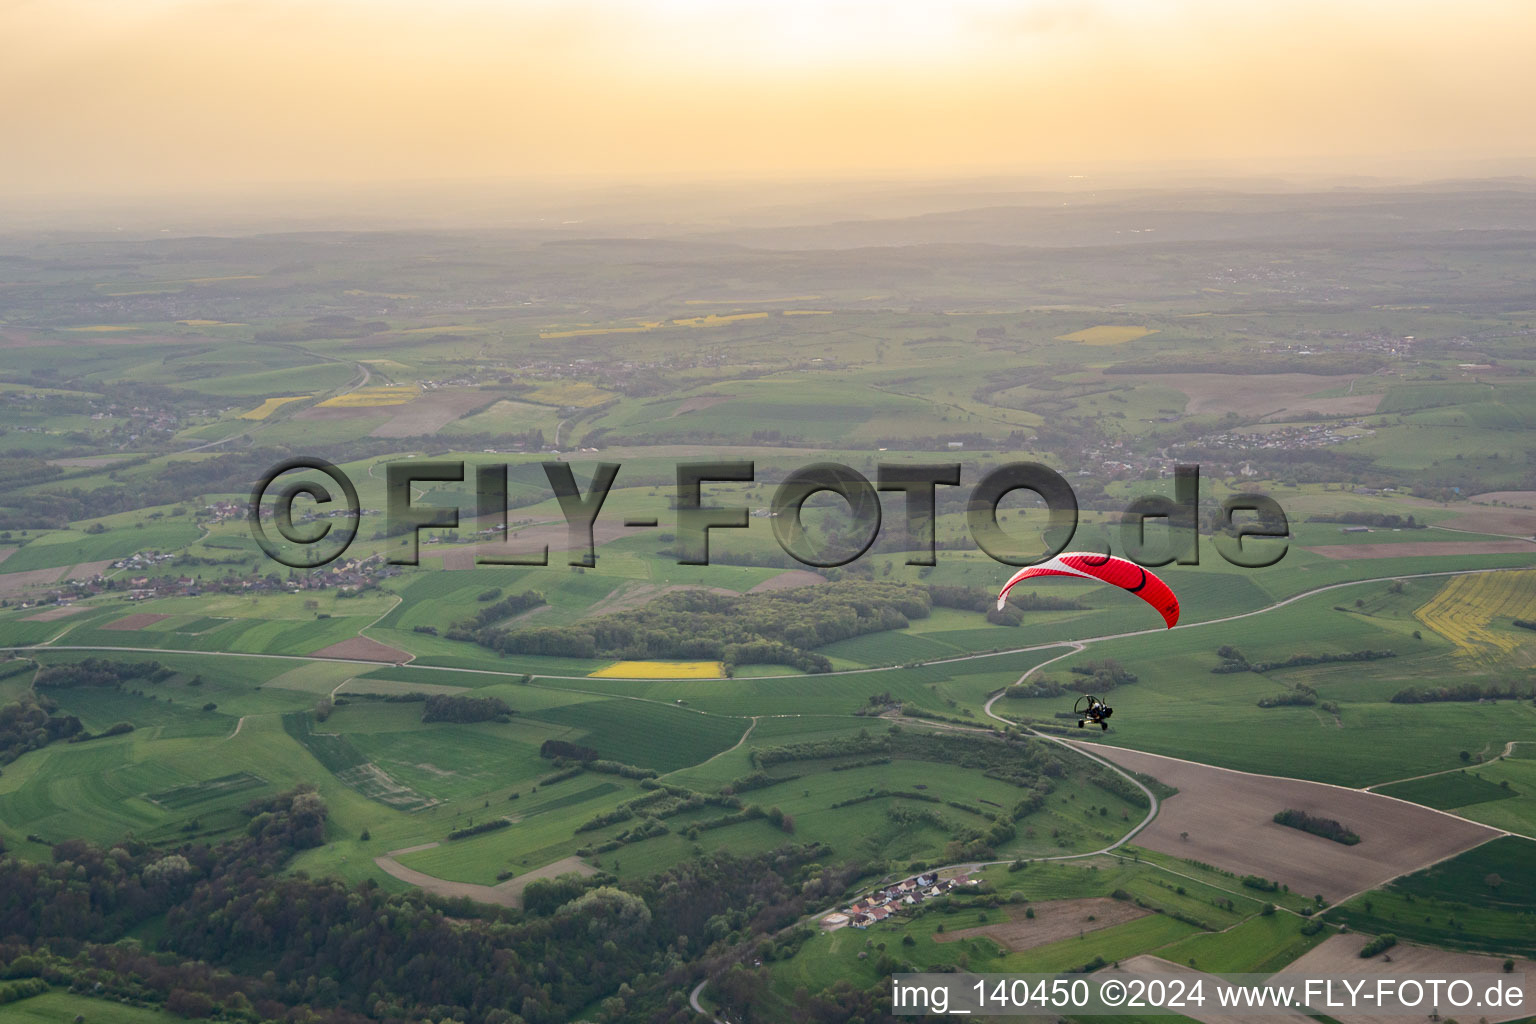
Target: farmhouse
x=909, y=892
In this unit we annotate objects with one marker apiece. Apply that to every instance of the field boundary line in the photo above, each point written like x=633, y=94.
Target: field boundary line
x=838, y=672
x=361, y=630
x=1509, y=746
x=1153, y=805
x=1314, y=782
x=1422, y=867
x=750, y=726
x=1202, y=881
x=1484, y=533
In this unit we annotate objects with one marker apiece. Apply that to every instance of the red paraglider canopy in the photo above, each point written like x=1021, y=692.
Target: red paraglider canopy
x=1118, y=572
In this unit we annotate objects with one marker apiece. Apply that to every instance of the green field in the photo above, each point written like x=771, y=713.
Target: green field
x=1516, y=813
x=646, y=734
x=181, y=798
x=1451, y=790
x=71, y=547
x=1325, y=370
x=1482, y=900
x=1240, y=935
x=58, y=1007
x=1262, y=944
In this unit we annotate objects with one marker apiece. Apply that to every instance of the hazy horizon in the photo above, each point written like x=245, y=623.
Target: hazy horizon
x=207, y=98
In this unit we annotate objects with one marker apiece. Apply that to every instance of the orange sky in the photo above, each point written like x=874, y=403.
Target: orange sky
x=120, y=96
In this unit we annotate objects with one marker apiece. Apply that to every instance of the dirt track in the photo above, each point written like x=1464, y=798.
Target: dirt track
x=441, y=886
x=506, y=894
x=1228, y=817
x=514, y=886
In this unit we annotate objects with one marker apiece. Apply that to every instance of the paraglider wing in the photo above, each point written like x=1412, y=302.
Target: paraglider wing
x=1118, y=572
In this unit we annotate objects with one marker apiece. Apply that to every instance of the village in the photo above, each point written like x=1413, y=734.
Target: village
x=348, y=578
x=882, y=903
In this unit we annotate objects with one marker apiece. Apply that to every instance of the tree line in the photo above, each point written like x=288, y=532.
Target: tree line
x=775, y=627
x=1463, y=692
x=1233, y=660
x=239, y=939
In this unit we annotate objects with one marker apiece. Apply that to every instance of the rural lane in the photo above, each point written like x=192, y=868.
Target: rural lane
x=1072, y=647
x=1049, y=645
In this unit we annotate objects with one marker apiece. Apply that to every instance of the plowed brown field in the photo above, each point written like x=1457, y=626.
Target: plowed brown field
x=1228, y=818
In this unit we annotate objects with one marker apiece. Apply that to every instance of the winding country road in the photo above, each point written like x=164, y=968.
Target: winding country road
x=1048, y=645
x=1071, y=647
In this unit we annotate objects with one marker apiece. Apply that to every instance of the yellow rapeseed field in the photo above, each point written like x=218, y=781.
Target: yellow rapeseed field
x=270, y=406
x=715, y=320
x=1463, y=609
x=708, y=320
x=1107, y=334
x=587, y=331
x=662, y=670
x=364, y=398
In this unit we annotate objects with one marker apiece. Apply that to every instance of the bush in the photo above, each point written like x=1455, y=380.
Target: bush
x=25, y=988
x=480, y=829
x=97, y=672
x=1379, y=944
x=1464, y=692
x=560, y=748
x=454, y=708
x=1328, y=828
